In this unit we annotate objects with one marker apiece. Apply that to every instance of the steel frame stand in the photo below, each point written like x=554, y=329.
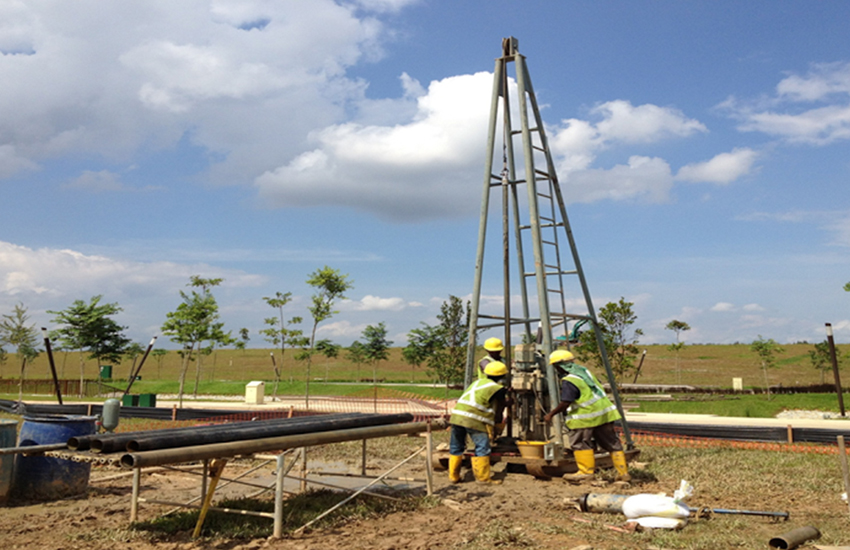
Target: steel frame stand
x=215, y=469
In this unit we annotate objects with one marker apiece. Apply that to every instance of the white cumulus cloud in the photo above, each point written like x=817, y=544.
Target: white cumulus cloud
x=723, y=168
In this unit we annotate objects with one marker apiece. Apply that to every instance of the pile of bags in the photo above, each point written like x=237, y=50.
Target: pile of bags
x=659, y=511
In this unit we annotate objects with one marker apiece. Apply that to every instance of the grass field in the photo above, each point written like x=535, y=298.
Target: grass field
x=227, y=371
x=701, y=365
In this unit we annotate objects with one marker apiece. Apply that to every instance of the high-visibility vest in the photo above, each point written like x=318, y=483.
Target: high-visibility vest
x=473, y=409
x=592, y=408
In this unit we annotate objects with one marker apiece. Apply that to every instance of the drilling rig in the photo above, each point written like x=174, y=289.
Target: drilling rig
x=535, y=220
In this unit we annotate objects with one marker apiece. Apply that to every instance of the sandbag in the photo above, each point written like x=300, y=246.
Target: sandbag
x=639, y=506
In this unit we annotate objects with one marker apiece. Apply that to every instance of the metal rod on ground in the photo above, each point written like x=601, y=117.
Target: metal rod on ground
x=235, y=448
x=135, y=374
x=838, y=389
x=379, y=478
x=216, y=470
x=49, y=351
x=845, y=469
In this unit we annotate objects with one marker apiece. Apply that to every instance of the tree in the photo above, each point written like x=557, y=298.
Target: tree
x=421, y=344
x=159, y=354
x=193, y=322
x=356, y=354
x=376, y=346
x=15, y=331
x=443, y=347
x=767, y=350
x=677, y=327
x=244, y=337
x=620, y=339
x=132, y=352
x=822, y=359
x=90, y=327
x=330, y=285
x=330, y=351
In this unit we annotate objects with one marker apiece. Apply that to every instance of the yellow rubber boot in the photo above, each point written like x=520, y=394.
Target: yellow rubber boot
x=481, y=469
x=586, y=465
x=454, y=468
x=619, y=460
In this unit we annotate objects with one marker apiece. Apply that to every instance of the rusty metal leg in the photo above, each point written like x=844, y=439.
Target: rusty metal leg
x=363, y=459
x=303, y=469
x=216, y=469
x=134, y=500
x=429, y=465
x=278, y=496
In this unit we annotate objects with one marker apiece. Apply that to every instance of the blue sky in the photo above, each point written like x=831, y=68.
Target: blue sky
x=702, y=148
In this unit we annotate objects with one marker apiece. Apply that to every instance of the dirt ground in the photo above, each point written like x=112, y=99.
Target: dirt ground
x=522, y=512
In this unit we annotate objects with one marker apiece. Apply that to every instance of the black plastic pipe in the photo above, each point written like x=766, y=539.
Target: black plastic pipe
x=257, y=430
x=118, y=441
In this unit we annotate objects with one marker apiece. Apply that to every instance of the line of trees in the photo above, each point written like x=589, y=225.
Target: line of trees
x=195, y=325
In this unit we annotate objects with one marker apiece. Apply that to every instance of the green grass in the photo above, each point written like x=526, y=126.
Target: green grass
x=745, y=405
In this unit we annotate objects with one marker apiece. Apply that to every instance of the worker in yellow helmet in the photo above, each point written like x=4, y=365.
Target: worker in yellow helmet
x=589, y=415
x=493, y=347
x=476, y=414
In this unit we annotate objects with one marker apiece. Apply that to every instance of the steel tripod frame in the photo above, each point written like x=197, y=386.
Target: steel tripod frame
x=508, y=181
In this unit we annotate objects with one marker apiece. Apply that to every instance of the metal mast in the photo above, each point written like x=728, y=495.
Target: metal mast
x=539, y=220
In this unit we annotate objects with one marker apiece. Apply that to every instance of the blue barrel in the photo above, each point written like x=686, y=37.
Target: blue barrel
x=43, y=478
x=8, y=436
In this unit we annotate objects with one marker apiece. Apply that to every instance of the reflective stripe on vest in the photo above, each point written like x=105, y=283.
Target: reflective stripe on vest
x=473, y=409
x=590, y=409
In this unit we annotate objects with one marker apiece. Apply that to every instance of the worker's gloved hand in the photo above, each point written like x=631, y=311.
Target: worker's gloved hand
x=491, y=432
x=498, y=429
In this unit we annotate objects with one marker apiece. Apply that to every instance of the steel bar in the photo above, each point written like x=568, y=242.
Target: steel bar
x=49, y=351
x=33, y=449
x=343, y=502
x=213, y=508
x=135, y=373
x=235, y=448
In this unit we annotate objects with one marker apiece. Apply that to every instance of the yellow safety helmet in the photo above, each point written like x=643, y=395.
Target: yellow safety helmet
x=560, y=356
x=496, y=368
x=493, y=344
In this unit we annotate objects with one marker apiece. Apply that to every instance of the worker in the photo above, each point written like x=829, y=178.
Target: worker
x=589, y=415
x=478, y=414
x=493, y=347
